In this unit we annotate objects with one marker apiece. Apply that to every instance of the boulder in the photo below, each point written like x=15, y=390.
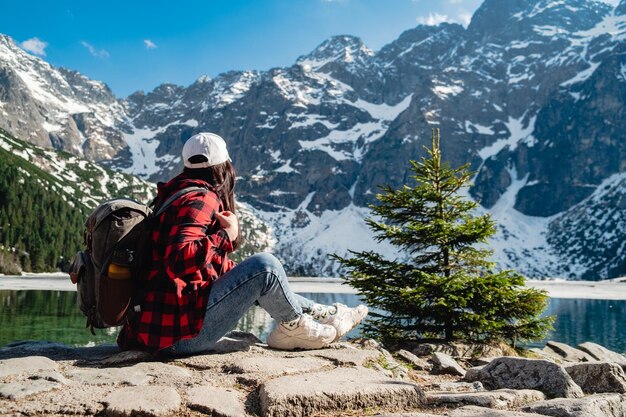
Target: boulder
x=28, y=365
x=598, y=377
x=22, y=389
x=568, y=353
x=603, y=354
x=153, y=401
x=598, y=405
x=500, y=399
x=520, y=373
x=415, y=361
x=341, y=389
x=444, y=364
x=222, y=402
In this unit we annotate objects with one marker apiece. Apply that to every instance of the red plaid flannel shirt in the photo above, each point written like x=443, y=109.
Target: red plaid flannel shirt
x=189, y=252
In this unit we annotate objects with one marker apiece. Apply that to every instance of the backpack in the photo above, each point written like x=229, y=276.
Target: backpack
x=108, y=272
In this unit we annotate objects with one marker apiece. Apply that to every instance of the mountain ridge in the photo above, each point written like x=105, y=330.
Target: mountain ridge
x=513, y=94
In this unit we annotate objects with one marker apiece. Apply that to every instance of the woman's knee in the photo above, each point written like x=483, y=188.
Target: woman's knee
x=268, y=262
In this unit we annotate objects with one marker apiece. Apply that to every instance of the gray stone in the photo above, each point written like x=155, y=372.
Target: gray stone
x=444, y=364
x=20, y=389
x=598, y=405
x=28, y=365
x=500, y=399
x=162, y=370
x=547, y=354
x=474, y=411
x=109, y=376
x=145, y=401
x=603, y=354
x=217, y=402
x=337, y=390
x=417, y=362
x=520, y=373
x=64, y=401
x=273, y=366
x=569, y=353
x=597, y=377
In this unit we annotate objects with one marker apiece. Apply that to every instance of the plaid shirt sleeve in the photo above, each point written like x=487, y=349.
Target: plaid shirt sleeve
x=196, y=250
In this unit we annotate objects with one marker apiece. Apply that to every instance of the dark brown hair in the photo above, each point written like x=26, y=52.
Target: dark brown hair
x=222, y=178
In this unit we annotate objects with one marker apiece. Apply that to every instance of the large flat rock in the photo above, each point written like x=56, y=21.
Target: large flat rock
x=23, y=389
x=445, y=364
x=153, y=401
x=500, y=399
x=68, y=400
x=599, y=405
x=222, y=402
x=109, y=376
x=338, y=390
x=520, y=373
x=272, y=366
x=28, y=365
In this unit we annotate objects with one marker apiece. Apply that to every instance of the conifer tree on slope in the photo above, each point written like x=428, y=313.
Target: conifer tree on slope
x=442, y=284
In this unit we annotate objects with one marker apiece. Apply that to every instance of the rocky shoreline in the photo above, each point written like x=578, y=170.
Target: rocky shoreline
x=243, y=377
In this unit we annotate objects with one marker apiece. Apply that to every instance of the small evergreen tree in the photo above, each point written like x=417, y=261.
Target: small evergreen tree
x=443, y=285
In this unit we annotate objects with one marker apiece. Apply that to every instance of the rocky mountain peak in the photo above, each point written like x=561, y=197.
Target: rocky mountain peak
x=343, y=48
x=620, y=10
x=506, y=19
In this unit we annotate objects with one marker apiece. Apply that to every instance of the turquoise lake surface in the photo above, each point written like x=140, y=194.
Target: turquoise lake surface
x=54, y=316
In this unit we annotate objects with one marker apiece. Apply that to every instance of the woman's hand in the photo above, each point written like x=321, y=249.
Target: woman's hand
x=228, y=222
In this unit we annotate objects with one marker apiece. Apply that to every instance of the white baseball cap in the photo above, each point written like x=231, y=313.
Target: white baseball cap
x=209, y=145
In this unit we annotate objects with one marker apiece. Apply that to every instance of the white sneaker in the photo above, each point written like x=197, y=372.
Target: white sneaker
x=309, y=334
x=345, y=319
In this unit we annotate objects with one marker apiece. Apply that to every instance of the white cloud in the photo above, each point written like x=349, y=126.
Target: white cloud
x=149, y=44
x=35, y=46
x=465, y=18
x=433, y=19
x=102, y=53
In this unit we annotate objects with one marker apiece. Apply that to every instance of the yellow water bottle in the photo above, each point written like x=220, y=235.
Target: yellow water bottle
x=116, y=271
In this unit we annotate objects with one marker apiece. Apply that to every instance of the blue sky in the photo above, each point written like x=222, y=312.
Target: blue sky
x=137, y=45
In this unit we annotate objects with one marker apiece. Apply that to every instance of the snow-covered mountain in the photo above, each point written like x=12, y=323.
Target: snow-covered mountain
x=531, y=93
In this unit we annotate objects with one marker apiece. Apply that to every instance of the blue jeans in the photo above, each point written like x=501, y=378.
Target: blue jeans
x=261, y=280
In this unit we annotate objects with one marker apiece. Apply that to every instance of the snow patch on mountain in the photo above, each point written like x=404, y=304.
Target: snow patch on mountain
x=363, y=133
x=305, y=239
x=520, y=241
x=519, y=131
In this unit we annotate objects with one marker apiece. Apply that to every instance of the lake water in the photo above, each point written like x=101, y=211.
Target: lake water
x=54, y=316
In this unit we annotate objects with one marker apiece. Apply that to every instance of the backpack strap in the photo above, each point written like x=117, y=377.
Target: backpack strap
x=176, y=196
